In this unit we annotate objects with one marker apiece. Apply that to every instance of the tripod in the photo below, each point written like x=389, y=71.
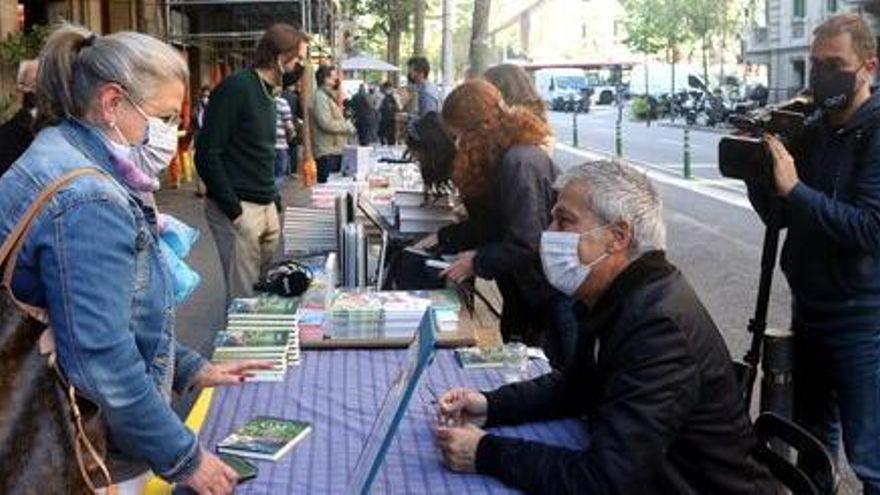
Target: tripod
x=748, y=368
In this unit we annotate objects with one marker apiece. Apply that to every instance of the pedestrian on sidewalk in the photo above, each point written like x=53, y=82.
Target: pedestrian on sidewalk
x=198, y=121
x=292, y=95
x=365, y=116
x=831, y=255
x=284, y=133
x=93, y=262
x=388, y=110
x=330, y=129
x=425, y=96
x=235, y=156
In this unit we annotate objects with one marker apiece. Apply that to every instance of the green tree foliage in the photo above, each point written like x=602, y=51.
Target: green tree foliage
x=383, y=20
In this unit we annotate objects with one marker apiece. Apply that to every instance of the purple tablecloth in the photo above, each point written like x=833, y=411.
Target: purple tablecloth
x=339, y=392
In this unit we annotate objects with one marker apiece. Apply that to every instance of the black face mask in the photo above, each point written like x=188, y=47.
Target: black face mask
x=833, y=89
x=29, y=100
x=291, y=77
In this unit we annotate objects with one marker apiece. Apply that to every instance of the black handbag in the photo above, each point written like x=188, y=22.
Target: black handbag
x=52, y=440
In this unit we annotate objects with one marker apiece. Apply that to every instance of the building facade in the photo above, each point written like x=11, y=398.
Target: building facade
x=779, y=34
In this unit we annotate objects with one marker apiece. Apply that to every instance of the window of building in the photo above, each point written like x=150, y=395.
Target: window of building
x=831, y=5
x=799, y=9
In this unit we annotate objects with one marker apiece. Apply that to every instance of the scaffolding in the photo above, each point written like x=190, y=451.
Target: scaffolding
x=235, y=25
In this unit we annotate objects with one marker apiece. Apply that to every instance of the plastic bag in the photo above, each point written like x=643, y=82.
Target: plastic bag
x=179, y=236
x=184, y=279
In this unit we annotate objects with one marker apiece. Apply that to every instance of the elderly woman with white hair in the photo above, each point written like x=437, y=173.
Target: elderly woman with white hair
x=91, y=259
x=652, y=376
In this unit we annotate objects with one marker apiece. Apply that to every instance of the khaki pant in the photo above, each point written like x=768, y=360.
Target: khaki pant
x=246, y=248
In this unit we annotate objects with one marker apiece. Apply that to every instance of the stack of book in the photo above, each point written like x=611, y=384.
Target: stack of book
x=262, y=328
x=309, y=230
x=355, y=315
x=447, y=309
x=402, y=312
x=324, y=195
x=389, y=314
x=414, y=215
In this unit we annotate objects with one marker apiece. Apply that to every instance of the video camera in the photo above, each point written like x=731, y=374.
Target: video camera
x=746, y=156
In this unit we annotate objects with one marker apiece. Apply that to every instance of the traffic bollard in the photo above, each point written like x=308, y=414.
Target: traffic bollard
x=574, y=128
x=618, y=136
x=687, y=152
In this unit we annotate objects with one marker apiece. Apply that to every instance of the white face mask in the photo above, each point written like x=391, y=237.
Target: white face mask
x=158, y=149
x=562, y=264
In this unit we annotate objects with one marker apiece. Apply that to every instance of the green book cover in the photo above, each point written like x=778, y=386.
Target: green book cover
x=480, y=357
x=252, y=338
x=265, y=437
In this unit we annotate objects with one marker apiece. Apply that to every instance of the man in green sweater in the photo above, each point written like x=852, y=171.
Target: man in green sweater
x=235, y=156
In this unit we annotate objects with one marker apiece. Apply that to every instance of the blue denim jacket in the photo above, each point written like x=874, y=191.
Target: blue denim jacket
x=92, y=259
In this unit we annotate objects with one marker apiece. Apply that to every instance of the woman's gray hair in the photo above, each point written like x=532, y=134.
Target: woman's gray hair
x=75, y=62
x=619, y=193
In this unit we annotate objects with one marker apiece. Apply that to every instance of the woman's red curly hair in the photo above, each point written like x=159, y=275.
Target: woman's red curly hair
x=487, y=128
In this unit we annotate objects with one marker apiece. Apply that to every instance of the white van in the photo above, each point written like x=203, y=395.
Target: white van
x=656, y=78
x=560, y=83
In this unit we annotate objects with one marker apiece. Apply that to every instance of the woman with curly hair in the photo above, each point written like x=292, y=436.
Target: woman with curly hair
x=506, y=181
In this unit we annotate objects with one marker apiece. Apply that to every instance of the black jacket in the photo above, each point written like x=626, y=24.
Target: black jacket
x=664, y=410
x=15, y=135
x=505, y=225
x=831, y=255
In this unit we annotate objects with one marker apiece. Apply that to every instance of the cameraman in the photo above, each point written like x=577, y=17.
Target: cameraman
x=831, y=255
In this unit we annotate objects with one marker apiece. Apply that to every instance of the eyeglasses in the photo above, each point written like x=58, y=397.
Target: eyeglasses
x=172, y=120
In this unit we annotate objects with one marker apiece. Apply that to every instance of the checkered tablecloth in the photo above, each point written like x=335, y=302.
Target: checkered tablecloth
x=340, y=392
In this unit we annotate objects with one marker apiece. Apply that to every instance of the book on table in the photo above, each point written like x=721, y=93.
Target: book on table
x=480, y=357
x=265, y=437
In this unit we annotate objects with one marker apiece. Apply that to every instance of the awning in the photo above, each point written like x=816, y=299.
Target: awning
x=367, y=63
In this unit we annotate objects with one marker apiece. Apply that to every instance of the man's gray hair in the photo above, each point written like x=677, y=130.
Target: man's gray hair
x=75, y=62
x=620, y=193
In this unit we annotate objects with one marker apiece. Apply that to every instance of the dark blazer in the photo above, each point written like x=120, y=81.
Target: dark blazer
x=654, y=378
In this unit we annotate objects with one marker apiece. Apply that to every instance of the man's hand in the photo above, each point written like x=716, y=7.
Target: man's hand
x=462, y=268
x=462, y=406
x=212, y=477
x=231, y=373
x=784, y=171
x=458, y=445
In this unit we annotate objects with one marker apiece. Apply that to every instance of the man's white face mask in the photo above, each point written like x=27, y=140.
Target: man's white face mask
x=561, y=262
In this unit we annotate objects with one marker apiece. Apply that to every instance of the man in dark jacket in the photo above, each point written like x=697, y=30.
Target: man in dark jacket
x=365, y=116
x=652, y=375
x=831, y=255
x=18, y=132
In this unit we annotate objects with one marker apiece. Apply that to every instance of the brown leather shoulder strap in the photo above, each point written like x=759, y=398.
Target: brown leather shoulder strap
x=12, y=245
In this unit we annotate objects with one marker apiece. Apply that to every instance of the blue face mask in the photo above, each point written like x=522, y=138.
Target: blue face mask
x=561, y=261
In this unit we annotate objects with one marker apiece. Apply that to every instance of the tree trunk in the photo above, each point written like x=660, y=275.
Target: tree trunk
x=419, y=28
x=479, y=50
x=394, y=36
x=705, y=60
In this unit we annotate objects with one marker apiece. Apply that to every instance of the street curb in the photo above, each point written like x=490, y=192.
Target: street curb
x=700, y=128
x=715, y=191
